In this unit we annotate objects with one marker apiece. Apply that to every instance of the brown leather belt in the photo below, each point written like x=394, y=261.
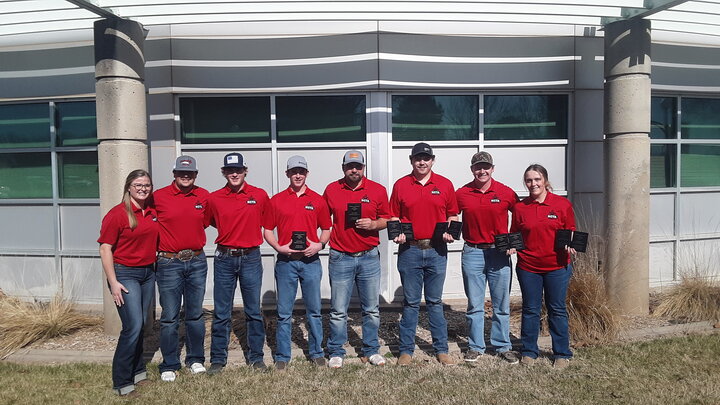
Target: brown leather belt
x=356, y=254
x=236, y=251
x=481, y=245
x=421, y=243
x=183, y=255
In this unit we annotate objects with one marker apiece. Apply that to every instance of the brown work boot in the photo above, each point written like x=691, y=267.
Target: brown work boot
x=560, y=364
x=404, y=360
x=445, y=359
x=527, y=361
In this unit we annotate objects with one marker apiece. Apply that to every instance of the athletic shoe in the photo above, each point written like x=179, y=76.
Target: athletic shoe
x=377, y=360
x=197, y=368
x=168, y=376
x=215, y=368
x=335, y=362
x=510, y=357
x=472, y=356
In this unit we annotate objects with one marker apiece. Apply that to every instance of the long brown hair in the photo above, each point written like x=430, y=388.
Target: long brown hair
x=537, y=167
x=126, y=200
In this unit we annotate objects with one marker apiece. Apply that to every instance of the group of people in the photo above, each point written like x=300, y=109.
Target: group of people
x=159, y=237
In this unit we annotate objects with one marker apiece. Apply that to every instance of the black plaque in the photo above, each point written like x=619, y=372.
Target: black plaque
x=394, y=229
x=580, y=241
x=516, y=241
x=563, y=237
x=454, y=229
x=440, y=229
x=407, y=229
x=507, y=241
x=299, y=240
x=502, y=242
x=353, y=213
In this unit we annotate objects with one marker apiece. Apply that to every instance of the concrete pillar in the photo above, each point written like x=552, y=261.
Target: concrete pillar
x=121, y=119
x=627, y=151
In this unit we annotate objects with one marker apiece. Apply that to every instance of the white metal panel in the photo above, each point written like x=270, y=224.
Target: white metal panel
x=661, y=264
x=699, y=258
x=29, y=277
x=324, y=165
x=82, y=279
x=662, y=215
x=32, y=227
x=511, y=162
x=79, y=227
x=699, y=214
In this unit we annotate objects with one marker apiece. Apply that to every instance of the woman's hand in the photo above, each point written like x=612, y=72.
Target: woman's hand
x=117, y=290
x=400, y=239
x=510, y=252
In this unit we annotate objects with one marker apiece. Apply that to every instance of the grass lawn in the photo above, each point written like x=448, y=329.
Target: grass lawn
x=666, y=371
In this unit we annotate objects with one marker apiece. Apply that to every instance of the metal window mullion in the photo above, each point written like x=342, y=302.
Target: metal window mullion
x=57, y=245
x=481, y=122
x=274, y=146
x=678, y=155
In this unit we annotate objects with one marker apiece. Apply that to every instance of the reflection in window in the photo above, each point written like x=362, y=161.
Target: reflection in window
x=699, y=165
x=526, y=117
x=25, y=175
x=76, y=124
x=663, y=120
x=662, y=165
x=225, y=119
x=433, y=118
x=78, y=173
x=321, y=118
x=700, y=118
x=24, y=125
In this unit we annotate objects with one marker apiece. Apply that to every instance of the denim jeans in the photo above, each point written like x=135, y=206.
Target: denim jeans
x=183, y=283
x=308, y=272
x=422, y=268
x=128, y=366
x=345, y=272
x=481, y=266
x=228, y=271
x=554, y=284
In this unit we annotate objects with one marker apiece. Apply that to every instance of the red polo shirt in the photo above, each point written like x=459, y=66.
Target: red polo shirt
x=181, y=217
x=485, y=214
x=538, y=223
x=287, y=212
x=237, y=216
x=423, y=205
x=374, y=202
x=131, y=247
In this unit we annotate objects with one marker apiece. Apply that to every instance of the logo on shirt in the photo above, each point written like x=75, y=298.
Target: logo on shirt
x=365, y=200
x=198, y=206
x=495, y=199
x=435, y=191
x=309, y=207
x=251, y=200
x=552, y=215
x=154, y=219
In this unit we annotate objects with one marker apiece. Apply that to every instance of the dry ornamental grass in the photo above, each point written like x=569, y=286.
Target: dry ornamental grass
x=695, y=298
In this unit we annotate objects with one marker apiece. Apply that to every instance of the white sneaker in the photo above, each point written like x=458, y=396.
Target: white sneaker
x=335, y=362
x=377, y=360
x=197, y=368
x=168, y=376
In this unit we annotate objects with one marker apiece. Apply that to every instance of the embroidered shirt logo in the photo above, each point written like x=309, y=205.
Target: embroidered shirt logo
x=309, y=207
x=198, y=206
x=251, y=200
x=365, y=200
x=552, y=215
x=495, y=199
x=435, y=191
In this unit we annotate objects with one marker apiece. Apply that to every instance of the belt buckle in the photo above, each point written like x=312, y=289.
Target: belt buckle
x=185, y=255
x=424, y=244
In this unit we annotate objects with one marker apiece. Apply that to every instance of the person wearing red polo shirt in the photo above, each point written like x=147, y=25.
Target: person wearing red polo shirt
x=236, y=211
x=354, y=257
x=181, y=267
x=128, y=247
x=541, y=267
x=294, y=211
x=424, y=199
x=484, y=203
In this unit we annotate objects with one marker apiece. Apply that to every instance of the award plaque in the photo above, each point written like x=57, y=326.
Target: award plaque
x=394, y=229
x=353, y=213
x=407, y=229
x=454, y=229
x=440, y=229
x=579, y=241
x=298, y=241
x=516, y=241
x=563, y=237
x=507, y=241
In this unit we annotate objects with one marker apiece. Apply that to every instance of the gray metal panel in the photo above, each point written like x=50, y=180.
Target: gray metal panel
x=447, y=45
x=699, y=55
x=158, y=49
x=590, y=212
x=587, y=115
x=55, y=58
x=158, y=76
x=685, y=76
x=588, y=173
x=32, y=227
x=589, y=72
x=49, y=86
x=79, y=227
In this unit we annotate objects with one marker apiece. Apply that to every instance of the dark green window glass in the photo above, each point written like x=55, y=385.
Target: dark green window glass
x=699, y=165
x=24, y=125
x=526, y=117
x=320, y=118
x=700, y=118
x=25, y=175
x=435, y=118
x=225, y=119
x=78, y=173
x=663, y=119
x=76, y=124
x=663, y=165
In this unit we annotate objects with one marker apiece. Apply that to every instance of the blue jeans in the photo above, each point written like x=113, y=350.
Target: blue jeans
x=346, y=271
x=481, y=266
x=308, y=272
x=554, y=284
x=182, y=283
x=128, y=367
x=422, y=268
x=228, y=271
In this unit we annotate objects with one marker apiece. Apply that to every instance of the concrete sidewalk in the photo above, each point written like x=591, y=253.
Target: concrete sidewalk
x=236, y=358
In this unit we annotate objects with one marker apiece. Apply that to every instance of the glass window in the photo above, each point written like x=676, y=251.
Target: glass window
x=662, y=165
x=25, y=175
x=76, y=124
x=663, y=118
x=435, y=118
x=25, y=125
x=700, y=118
x=699, y=165
x=526, y=117
x=321, y=118
x=225, y=119
x=78, y=174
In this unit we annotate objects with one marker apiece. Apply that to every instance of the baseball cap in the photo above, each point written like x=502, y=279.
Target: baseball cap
x=353, y=156
x=297, y=161
x=421, y=149
x=481, y=157
x=185, y=163
x=234, y=160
